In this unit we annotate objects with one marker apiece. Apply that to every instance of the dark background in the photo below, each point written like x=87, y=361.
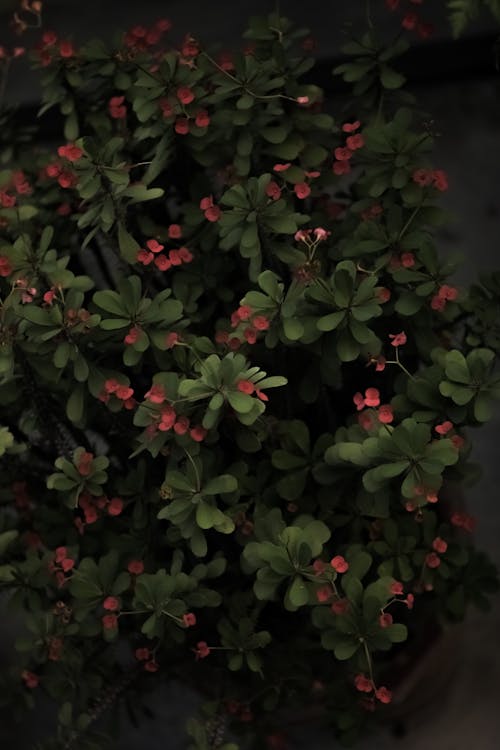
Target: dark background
x=458, y=84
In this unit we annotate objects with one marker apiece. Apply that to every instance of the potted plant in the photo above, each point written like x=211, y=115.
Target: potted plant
x=236, y=383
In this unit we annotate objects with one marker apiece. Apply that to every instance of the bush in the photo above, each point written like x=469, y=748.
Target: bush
x=236, y=382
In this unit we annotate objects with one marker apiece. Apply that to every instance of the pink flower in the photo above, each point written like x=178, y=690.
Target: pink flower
x=385, y=620
x=156, y=394
x=70, y=152
x=198, y=433
x=339, y=564
x=383, y=695
x=202, y=119
x=341, y=167
x=185, y=95
x=273, y=191
x=110, y=622
x=323, y=594
x=342, y=153
x=282, y=167
x=351, y=127
x=444, y=427
x=135, y=567
x=246, y=386
x=302, y=190
x=407, y=260
x=432, y=560
x=353, y=142
x=439, y=545
x=116, y=107
x=111, y=604
x=372, y=397
x=340, y=607
x=154, y=246
x=115, y=506
x=398, y=339
x=321, y=234
x=261, y=323
x=363, y=684
x=396, y=588
x=189, y=619
x=385, y=414
x=202, y=650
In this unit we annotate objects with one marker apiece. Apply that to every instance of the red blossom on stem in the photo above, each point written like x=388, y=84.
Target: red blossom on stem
x=339, y=564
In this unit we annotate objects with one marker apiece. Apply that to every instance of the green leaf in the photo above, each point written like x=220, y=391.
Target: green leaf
x=219, y=485
x=345, y=648
x=129, y=247
x=297, y=592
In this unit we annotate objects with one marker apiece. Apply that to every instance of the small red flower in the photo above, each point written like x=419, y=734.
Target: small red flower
x=70, y=152
x=409, y=21
x=440, y=180
x=409, y=601
x=156, y=394
x=198, y=433
x=115, y=506
x=342, y=153
x=142, y=654
x=396, y=588
x=351, y=127
x=84, y=465
x=385, y=620
x=185, y=95
x=116, y=107
x=132, y=336
x=162, y=262
x=323, y=594
x=135, y=567
x=5, y=266
x=444, y=427
x=363, y=683
x=151, y=666
x=181, y=126
x=213, y=214
x=385, y=414
x=439, y=545
x=282, y=167
x=302, y=190
x=30, y=679
x=339, y=564
x=110, y=622
x=273, y=191
x=202, y=650
x=372, y=397
x=172, y=339
x=383, y=695
x=189, y=619
x=66, y=49
x=261, y=323
x=398, y=339
x=340, y=607
x=341, y=167
x=407, y=260
x=111, y=604
x=202, y=119
x=353, y=142
x=246, y=386
x=432, y=560
x=319, y=567
x=174, y=232
x=154, y=246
